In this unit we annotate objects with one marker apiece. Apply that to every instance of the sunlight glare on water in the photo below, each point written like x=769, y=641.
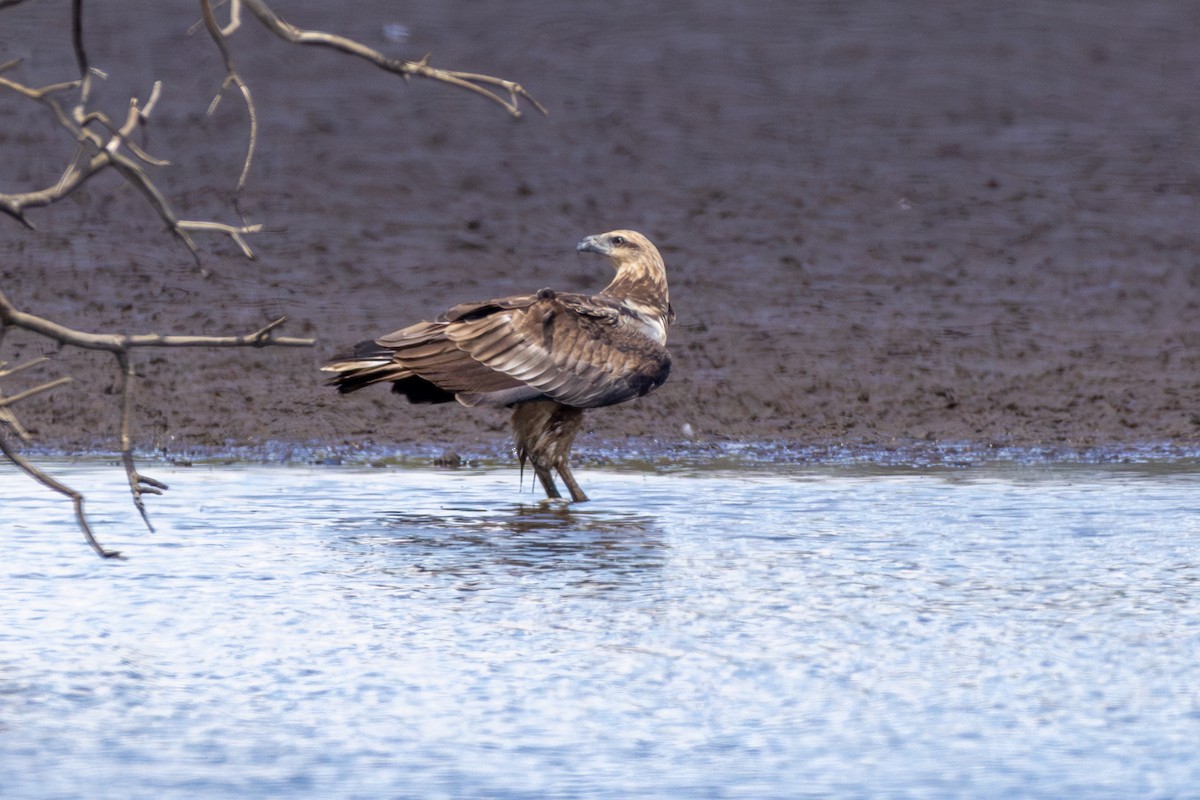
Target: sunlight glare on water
x=334, y=631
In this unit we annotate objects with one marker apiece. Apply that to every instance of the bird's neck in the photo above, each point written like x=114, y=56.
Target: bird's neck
x=645, y=289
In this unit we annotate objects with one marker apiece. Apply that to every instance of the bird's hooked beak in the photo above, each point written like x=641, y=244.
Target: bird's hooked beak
x=595, y=244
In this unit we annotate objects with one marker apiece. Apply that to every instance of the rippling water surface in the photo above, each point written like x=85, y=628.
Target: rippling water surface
x=1004, y=631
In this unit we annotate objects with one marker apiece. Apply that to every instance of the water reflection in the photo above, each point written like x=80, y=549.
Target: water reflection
x=602, y=549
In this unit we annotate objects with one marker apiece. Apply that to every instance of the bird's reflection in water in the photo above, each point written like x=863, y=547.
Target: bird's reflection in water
x=598, y=548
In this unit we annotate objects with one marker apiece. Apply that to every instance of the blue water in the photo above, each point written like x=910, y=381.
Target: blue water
x=999, y=631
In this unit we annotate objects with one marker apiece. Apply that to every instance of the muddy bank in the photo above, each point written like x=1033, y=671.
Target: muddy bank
x=885, y=226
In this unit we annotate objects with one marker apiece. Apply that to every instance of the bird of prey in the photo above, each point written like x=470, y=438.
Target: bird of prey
x=548, y=355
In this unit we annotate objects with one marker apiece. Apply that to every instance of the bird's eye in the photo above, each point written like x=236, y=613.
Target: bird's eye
x=618, y=240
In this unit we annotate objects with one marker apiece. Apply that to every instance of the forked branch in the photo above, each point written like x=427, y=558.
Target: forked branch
x=121, y=346
x=100, y=144
x=508, y=94
x=75, y=496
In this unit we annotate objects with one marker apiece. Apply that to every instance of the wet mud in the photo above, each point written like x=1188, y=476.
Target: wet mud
x=885, y=224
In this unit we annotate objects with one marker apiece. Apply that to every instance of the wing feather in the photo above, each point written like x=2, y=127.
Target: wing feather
x=425, y=351
x=574, y=349
x=569, y=347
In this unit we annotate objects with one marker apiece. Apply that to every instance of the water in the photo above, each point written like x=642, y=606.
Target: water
x=998, y=631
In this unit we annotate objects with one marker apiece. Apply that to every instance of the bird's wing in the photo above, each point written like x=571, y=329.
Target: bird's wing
x=570, y=348
x=425, y=350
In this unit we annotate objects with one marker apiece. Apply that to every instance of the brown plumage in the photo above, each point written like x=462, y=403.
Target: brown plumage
x=547, y=355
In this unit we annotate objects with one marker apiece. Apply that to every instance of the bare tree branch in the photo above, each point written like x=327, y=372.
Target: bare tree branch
x=507, y=93
x=101, y=144
x=50, y=483
x=120, y=342
x=104, y=152
x=97, y=153
x=121, y=346
x=138, y=484
x=7, y=416
x=8, y=419
x=6, y=370
x=232, y=78
x=45, y=387
x=81, y=59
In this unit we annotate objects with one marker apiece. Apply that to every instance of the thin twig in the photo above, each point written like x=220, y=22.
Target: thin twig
x=37, y=94
x=120, y=342
x=235, y=232
x=50, y=483
x=6, y=370
x=235, y=17
x=138, y=484
x=232, y=77
x=106, y=153
x=81, y=59
x=101, y=145
x=12, y=399
x=121, y=346
x=464, y=80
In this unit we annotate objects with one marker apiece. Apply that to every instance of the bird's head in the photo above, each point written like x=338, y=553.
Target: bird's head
x=621, y=247
x=641, y=276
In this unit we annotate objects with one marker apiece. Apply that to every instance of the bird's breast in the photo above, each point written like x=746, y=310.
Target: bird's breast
x=647, y=321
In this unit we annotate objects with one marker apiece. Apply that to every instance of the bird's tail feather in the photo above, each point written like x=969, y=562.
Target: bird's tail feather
x=368, y=363
x=354, y=375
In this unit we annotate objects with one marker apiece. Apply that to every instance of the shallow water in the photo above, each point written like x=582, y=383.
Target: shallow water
x=994, y=631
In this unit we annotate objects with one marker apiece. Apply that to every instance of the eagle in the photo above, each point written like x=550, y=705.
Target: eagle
x=547, y=355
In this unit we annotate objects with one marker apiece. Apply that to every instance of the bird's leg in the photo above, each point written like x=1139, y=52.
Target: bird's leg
x=547, y=481
x=577, y=494
x=544, y=431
